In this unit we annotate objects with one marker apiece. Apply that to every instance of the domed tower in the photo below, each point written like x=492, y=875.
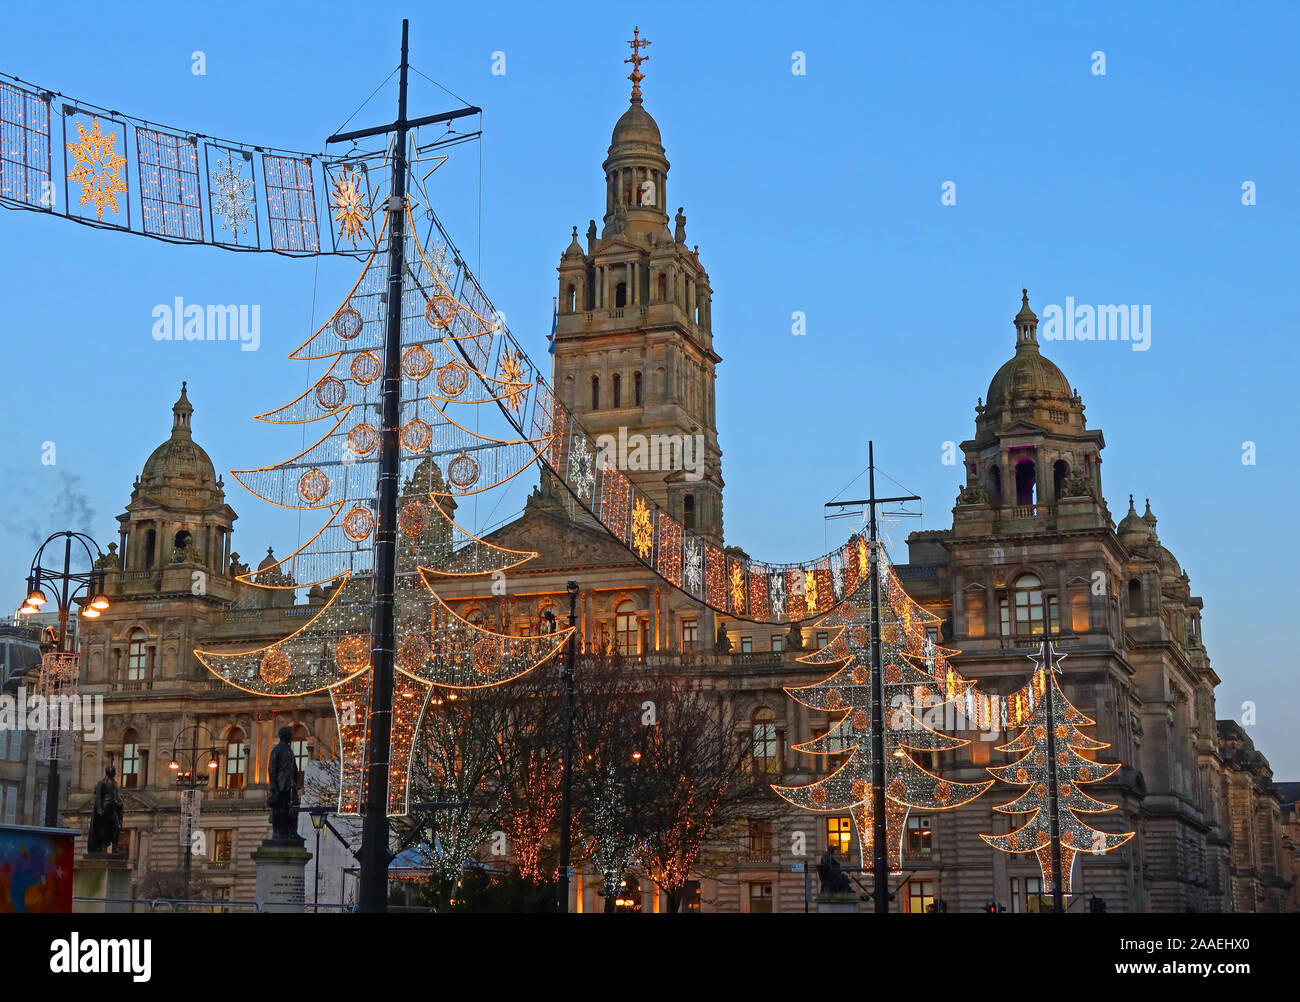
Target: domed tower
x=178, y=513
x=634, y=335
x=1032, y=448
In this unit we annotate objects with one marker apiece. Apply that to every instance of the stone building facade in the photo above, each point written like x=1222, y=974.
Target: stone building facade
x=1033, y=549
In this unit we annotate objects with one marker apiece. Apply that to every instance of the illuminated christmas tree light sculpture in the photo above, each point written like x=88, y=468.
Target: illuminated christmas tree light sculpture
x=441, y=460
x=1053, y=769
x=919, y=684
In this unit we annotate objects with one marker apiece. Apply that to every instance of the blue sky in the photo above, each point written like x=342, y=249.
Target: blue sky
x=817, y=193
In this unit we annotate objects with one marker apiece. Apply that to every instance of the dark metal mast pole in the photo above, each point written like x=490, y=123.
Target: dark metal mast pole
x=65, y=602
x=374, y=834
x=880, y=853
x=566, y=790
x=1053, y=787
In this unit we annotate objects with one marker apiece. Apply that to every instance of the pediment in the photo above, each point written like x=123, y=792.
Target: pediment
x=560, y=543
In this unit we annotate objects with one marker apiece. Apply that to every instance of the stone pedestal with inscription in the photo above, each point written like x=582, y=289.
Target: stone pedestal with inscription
x=837, y=904
x=281, y=886
x=104, y=877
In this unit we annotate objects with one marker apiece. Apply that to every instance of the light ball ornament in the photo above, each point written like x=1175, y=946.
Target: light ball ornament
x=275, y=667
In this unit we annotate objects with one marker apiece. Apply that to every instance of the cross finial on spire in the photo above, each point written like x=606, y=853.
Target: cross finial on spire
x=636, y=76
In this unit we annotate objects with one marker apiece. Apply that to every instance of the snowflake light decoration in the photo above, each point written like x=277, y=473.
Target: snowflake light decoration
x=97, y=167
x=776, y=588
x=642, y=529
x=234, y=196
x=694, y=564
x=349, y=206
x=582, y=468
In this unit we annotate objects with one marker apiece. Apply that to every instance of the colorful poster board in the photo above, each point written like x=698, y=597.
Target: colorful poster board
x=35, y=869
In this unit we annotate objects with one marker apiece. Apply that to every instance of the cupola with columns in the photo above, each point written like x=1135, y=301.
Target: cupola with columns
x=1032, y=449
x=634, y=333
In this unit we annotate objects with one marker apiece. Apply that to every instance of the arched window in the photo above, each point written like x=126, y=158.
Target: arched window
x=1079, y=620
x=1135, y=597
x=995, y=486
x=182, y=539
x=626, y=633
x=571, y=296
x=236, y=759
x=1025, y=477
x=688, y=511
x=637, y=399
x=150, y=541
x=595, y=393
x=663, y=288
x=132, y=760
x=620, y=295
x=1060, y=473
x=1028, y=605
x=766, y=745
x=618, y=390
x=300, y=742
x=137, y=656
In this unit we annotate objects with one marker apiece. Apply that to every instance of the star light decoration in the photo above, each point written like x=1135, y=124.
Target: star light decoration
x=349, y=205
x=97, y=167
x=234, y=199
x=1033, y=771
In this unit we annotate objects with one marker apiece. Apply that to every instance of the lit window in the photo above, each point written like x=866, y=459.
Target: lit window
x=223, y=841
x=920, y=896
x=690, y=634
x=760, y=837
x=839, y=834
x=626, y=632
x=920, y=836
x=975, y=617
x=767, y=752
x=1079, y=613
x=236, y=760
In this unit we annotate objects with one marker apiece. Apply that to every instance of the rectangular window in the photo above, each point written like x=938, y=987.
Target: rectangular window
x=1053, y=615
x=131, y=765
x=920, y=837
x=690, y=635
x=223, y=841
x=691, y=896
x=839, y=834
x=760, y=837
x=823, y=638
x=760, y=899
x=920, y=896
x=15, y=745
x=746, y=645
x=1004, y=616
x=9, y=803
x=135, y=660
x=1034, y=896
x=236, y=757
x=301, y=756
x=778, y=643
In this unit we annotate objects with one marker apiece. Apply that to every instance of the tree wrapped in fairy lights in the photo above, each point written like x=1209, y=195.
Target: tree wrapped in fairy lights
x=445, y=343
x=919, y=683
x=1053, y=728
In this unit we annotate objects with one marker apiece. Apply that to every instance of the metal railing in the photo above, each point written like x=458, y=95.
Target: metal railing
x=176, y=906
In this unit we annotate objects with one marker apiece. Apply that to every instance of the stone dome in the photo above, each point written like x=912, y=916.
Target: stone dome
x=1132, y=530
x=635, y=126
x=1029, y=386
x=180, y=457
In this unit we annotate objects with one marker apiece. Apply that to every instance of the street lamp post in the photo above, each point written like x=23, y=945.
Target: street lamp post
x=189, y=780
x=566, y=788
x=68, y=586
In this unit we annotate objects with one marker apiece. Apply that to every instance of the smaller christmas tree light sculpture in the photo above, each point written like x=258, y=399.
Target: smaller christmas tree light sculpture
x=1053, y=769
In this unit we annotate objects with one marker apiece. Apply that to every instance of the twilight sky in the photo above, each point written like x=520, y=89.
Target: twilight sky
x=818, y=192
